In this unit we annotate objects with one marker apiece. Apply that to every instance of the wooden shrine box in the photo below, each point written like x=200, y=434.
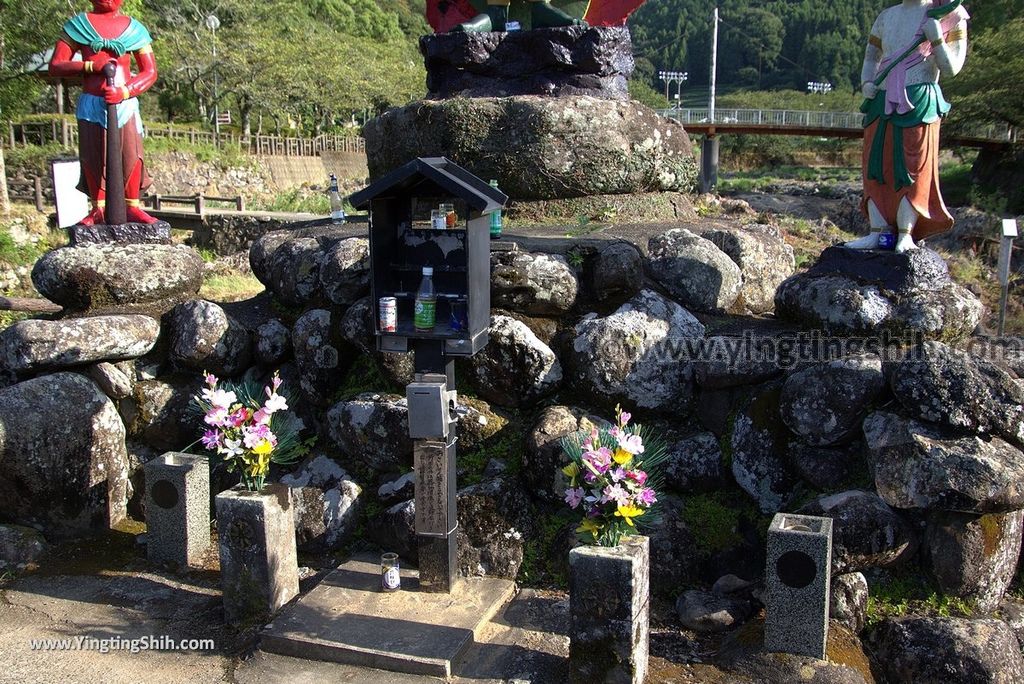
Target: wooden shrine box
x=403, y=241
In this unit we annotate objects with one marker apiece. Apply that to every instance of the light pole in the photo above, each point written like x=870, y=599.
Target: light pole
x=673, y=76
x=213, y=23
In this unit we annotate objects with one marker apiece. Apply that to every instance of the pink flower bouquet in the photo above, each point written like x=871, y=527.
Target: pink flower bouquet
x=612, y=480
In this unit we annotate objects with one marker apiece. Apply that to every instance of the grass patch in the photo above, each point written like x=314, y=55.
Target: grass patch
x=230, y=288
x=302, y=199
x=903, y=593
x=507, y=445
x=713, y=520
x=364, y=376
x=809, y=238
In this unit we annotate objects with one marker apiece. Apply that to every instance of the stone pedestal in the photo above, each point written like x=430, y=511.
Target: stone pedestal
x=609, y=592
x=564, y=61
x=125, y=233
x=797, y=579
x=867, y=292
x=259, y=570
x=177, y=508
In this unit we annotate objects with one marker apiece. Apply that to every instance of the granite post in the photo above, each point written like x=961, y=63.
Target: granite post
x=259, y=570
x=797, y=579
x=609, y=605
x=177, y=508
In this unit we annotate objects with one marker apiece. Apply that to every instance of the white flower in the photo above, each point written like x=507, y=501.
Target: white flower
x=275, y=403
x=219, y=398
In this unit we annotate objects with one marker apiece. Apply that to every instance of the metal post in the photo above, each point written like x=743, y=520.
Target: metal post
x=432, y=426
x=714, y=66
x=1005, y=257
x=213, y=23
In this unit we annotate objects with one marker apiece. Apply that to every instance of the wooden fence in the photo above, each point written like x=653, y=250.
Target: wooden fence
x=65, y=132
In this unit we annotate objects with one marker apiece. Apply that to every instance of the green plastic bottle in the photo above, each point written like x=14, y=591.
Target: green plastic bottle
x=425, y=311
x=495, y=218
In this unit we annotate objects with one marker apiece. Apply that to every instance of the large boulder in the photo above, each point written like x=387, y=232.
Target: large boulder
x=941, y=384
x=162, y=413
x=920, y=649
x=855, y=292
x=495, y=517
x=848, y=600
x=515, y=368
x=733, y=361
x=706, y=611
x=827, y=468
x=764, y=258
x=866, y=533
x=695, y=464
x=345, y=271
x=694, y=270
x=204, y=338
x=395, y=529
x=826, y=402
x=20, y=546
x=36, y=344
x=633, y=355
x=295, y=271
x=544, y=458
x=107, y=277
x=539, y=147
x=618, y=273
x=63, y=463
x=319, y=355
x=327, y=504
x=917, y=465
x=759, y=443
x=358, y=329
x=273, y=343
x=373, y=429
x=974, y=556
x=533, y=284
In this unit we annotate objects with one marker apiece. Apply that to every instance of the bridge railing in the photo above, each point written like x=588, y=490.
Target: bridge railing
x=788, y=118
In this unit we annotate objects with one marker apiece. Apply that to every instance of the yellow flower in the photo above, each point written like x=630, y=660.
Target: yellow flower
x=628, y=513
x=622, y=457
x=589, y=526
x=263, y=448
x=572, y=471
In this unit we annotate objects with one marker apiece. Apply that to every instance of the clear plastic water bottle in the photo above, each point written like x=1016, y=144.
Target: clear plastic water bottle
x=337, y=212
x=425, y=311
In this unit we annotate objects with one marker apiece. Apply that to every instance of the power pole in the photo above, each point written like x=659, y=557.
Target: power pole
x=709, y=148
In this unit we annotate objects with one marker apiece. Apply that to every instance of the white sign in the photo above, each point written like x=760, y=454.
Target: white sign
x=1006, y=250
x=72, y=204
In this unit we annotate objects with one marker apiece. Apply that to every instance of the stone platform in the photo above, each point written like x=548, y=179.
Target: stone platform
x=348, y=619
x=124, y=233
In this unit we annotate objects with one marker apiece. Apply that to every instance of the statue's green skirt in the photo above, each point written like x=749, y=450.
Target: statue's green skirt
x=928, y=106
x=901, y=160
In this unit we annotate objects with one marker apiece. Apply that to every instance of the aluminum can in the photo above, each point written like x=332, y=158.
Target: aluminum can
x=388, y=311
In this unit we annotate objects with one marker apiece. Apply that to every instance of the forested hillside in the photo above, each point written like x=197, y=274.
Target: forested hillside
x=786, y=43
x=313, y=65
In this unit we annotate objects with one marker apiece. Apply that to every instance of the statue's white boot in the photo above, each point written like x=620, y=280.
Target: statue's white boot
x=869, y=241
x=906, y=219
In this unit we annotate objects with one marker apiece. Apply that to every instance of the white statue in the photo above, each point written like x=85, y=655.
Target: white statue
x=910, y=45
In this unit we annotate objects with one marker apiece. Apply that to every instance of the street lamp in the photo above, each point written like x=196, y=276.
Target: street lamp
x=820, y=87
x=678, y=77
x=213, y=23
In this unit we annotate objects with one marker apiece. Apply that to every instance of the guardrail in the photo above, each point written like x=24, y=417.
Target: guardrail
x=65, y=132
x=197, y=202
x=788, y=118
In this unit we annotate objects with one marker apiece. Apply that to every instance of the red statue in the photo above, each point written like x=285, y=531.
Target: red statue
x=106, y=36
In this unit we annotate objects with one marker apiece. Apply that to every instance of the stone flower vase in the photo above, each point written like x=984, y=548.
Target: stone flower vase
x=259, y=570
x=609, y=592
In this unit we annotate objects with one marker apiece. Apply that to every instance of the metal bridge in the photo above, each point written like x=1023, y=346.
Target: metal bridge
x=821, y=124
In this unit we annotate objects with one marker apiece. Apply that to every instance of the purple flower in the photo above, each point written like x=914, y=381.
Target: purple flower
x=615, y=493
x=211, y=439
x=624, y=418
x=573, y=497
x=646, y=497
x=618, y=474
x=601, y=459
x=216, y=416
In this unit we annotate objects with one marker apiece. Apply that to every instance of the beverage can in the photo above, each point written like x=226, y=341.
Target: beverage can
x=388, y=309
x=424, y=314
x=886, y=240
